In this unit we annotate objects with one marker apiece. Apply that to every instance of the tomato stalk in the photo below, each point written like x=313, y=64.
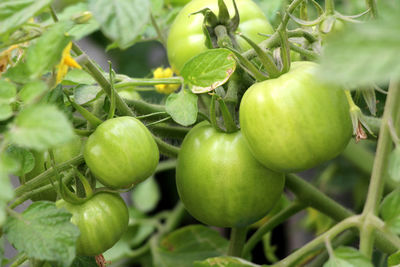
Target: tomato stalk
x=229, y=122
x=38, y=180
x=330, y=234
x=91, y=118
x=282, y=216
x=24, y=197
x=377, y=183
x=21, y=258
x=237, y=240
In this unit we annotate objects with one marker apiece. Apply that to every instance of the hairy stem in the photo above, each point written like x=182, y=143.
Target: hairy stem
x=378, y=176
x=237, y=240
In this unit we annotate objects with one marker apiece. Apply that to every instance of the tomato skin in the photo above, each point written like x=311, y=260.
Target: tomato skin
x=219, y=181
x=121, y=152
x=295, y=122
x=61, y=154
x=186, y=38
x=102, y=220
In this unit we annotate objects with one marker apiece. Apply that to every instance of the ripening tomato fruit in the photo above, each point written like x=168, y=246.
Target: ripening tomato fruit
x=121, y=152
x=186, y=38
x=102, y=220
x=296, y=121
x=220, y=182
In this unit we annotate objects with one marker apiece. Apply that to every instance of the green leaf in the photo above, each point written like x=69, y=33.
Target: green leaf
x=271, y=7
x=7, y=91
x=78, y=76
x=188, y=244
x=224, y=262
x=13, y=13
x=84, y=94
x=145, y=196
x=182, y=107
x=394, y=164
x=31, y=90
x=390, y=211
x=50, y=235
x=368, y=52
x=123, y=20
x=78, y=31
x=42, y=55
x=209, y=69
x=6, y=189
x=25, y=159
x=394, y=259
x=347, y=257
x=40, y=127
x=5, y=111
x=84, y=261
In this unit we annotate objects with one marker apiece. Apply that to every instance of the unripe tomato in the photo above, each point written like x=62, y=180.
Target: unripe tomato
x=220, y=182
x=186, y=38
x=296, y=121
x=102, y=220
x=121, y=152
x=61, y=154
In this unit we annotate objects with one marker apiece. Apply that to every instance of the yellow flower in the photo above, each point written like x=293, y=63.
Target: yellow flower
x=66, y=61
x=165, y=88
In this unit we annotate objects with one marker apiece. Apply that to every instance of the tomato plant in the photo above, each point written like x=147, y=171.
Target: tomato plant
x=297, y=109
x=219, y=181
x=127, y=147
x=264, y=137
x=186, y=38
x=102, y=220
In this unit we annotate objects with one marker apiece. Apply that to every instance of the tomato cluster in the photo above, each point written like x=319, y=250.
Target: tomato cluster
x=288, y=124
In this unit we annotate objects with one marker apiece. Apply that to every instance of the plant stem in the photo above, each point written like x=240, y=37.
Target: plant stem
x=158, y=30
x=165, y=148
x=311, y=196
x=38, y=180
x=174, y=219
x=236, y=243
x=167, y=131
x=98, y=75
x=68, y=177
x=330, y=234
x=19, y=260
x=372, y=7
x=274, y=39
x=305, y=52
x=377, y=183
x=127, y=83
x=282, y=216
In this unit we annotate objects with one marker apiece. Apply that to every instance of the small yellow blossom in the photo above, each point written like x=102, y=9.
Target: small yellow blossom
x=165, y=88
x=66, y=61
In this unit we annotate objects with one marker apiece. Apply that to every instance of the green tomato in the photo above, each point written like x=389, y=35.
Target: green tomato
x=296, y=121
x=220, y=182
x=121, y=152
x=61, y=154
x=102, y=220
x=186, y=38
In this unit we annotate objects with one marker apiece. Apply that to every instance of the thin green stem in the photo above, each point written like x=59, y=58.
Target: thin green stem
x=66, y=179
x=166, y=149
x=377, y=183
x=237, y=240
x=129, y=82
x=305, y=52
x=274, y=39
x=98, y=75
x=311, y=196
x=167, y=131
x=19, y=260
x=160, y=35
x=282, y=216
x=330, y=234
x=174, y=219
x=38, y=180
x=371, y=4
x=329, y=7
